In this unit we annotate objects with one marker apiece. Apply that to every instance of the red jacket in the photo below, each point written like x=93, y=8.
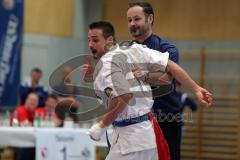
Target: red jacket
x=22, y=114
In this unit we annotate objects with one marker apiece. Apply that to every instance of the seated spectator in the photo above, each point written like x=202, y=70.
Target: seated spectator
x=49, y=108
x=24, y=114
x=33, y=84
x=48, y=111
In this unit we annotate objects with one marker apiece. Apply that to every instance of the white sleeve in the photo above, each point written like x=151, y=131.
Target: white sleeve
x=156, y=60
x=110, y=82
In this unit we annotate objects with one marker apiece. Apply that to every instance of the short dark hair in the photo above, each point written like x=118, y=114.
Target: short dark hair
x=106, y=27
x=38, y=70
x=147, y=7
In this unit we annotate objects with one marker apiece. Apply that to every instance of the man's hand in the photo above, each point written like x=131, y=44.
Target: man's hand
x=204, y=97
x=87, y=70
x=140, y=74
x=97, y=130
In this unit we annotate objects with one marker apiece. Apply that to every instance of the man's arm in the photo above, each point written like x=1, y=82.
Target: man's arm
x=203, y=96
x=159, y=78
x=154, y=78
x=117, y=89
x=116, y=106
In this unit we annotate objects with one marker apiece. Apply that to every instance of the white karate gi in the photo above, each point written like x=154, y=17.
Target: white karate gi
x=114, y=71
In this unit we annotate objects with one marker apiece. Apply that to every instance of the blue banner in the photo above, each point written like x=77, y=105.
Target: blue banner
x=11, y=29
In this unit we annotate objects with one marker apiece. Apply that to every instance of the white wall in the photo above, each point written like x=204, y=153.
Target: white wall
x=48, y=52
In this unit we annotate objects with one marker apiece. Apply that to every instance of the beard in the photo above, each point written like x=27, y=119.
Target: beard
x=139, y=31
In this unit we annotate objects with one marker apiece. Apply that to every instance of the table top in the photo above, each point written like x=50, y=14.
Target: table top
x=26, y=136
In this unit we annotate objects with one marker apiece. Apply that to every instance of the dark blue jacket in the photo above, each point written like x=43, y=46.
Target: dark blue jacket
x=40, y=90
x=169, y=103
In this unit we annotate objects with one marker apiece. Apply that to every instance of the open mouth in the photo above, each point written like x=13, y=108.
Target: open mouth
x=94, y=51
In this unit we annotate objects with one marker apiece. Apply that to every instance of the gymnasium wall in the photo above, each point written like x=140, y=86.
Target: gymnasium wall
x=55, y=31
x=183, y=19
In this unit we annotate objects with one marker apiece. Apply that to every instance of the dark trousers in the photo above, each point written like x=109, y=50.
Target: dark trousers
x=172, y=133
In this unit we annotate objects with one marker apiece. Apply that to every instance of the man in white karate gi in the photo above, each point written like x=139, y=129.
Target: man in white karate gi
x=136, y=134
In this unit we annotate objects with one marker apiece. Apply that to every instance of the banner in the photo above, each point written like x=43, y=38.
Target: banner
x=11, y=29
